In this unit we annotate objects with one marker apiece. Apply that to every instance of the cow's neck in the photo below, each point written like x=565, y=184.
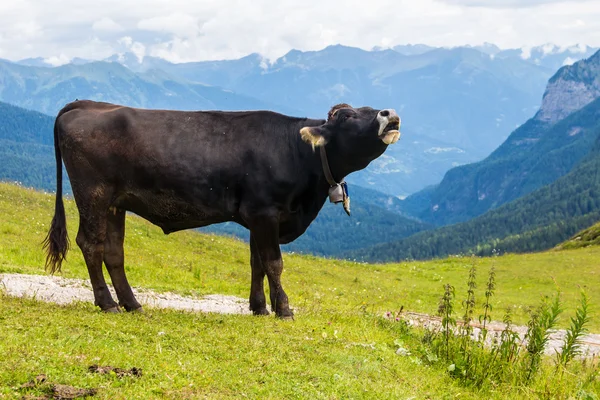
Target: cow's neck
x=342, y=165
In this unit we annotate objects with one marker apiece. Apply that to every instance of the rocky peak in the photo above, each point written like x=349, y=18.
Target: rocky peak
x=571, y=88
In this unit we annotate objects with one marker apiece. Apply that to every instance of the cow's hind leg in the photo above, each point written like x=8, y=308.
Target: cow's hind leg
x=90, y=239
x=258, y=302
x=114, y=259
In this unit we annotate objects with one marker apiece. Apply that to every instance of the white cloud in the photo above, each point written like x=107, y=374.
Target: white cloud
x=179, y=24
x=549, y=48
x=579, y=48
x=264, y=63
x=578, y=23
x=57, y=60
x=569, y=61
x=126, y=41
x=184, y=30
x=137, y=48
x=24, y=30
x=503, y=3
x=106, y=25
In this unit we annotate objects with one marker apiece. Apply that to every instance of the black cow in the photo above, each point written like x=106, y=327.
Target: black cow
x=182, y=170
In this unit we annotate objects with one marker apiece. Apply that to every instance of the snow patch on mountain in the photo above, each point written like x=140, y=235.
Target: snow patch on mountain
x=438, y=150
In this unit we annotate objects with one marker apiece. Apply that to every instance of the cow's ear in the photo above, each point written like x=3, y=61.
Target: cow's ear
x=313, y=135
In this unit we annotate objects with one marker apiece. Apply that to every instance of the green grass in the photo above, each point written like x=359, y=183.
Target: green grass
x=197, y=264
x=319, y=355
x=585, y=238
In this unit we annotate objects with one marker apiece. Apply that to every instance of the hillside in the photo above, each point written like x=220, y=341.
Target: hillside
x=26, y=148
x=585, y=238
x=535, y=154
x=535, y=222
x=27, y=154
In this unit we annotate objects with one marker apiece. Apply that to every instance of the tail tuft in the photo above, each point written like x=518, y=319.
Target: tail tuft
x=57, y=241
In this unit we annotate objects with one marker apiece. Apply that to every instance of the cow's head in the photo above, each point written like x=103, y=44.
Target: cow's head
x=357, y=130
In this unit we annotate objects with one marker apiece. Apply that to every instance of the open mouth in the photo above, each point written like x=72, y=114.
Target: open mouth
x=391, y=133
x=393, y=125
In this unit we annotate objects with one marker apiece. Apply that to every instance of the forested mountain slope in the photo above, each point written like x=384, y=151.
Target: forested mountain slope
x=537, y=153
x=26, y=147
x=537, y=221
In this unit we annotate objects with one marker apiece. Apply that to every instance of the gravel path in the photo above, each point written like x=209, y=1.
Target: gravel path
x=59, y=290
x=590, y=345
x=63, y=291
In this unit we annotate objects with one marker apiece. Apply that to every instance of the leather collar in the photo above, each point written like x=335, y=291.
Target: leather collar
x=338, y=192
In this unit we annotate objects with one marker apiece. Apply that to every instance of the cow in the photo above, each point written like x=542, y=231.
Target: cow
x=188, y=169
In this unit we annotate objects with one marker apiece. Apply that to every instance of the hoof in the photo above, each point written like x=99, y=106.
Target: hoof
x=286, y=315
x=137, y=308
x=112, y=310
x=262, y=311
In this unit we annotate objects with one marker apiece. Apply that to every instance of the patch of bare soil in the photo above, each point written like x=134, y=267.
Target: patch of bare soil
x=58, y=391
x=119, y=372
x=60, y=290
x=54, y=390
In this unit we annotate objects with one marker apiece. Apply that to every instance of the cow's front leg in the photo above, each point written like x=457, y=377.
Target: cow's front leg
x=264, y=231
x=258, y=302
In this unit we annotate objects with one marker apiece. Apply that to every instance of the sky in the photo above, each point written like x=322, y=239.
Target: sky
x=182, y=30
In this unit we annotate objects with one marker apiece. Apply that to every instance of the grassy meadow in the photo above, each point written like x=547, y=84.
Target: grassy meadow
x=339, y=346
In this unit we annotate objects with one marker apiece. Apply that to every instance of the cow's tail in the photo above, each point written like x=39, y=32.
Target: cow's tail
x=57, y=242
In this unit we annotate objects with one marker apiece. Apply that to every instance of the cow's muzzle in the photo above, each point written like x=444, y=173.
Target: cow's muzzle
x=389, y=126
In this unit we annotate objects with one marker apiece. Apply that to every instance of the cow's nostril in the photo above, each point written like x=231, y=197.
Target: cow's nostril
x=384, y=113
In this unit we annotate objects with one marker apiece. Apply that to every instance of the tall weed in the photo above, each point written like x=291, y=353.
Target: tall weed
x=486, y=360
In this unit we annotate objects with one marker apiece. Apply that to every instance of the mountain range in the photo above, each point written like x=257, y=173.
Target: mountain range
x=537, y=153
x=457, y=104
x=536, y=190
x=47, y=90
